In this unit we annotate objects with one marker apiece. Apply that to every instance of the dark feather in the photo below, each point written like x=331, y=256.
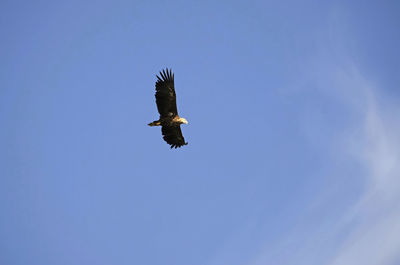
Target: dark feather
x=165, y=94
x=173, y=136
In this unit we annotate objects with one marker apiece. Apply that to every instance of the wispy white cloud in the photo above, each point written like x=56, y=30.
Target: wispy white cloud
x=367, y=229
x=372, y=223
x=376, y=237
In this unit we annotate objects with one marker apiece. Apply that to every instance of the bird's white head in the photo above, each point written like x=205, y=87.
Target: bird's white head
x=183, y=120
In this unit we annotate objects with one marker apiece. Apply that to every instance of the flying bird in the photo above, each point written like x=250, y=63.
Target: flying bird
x=169, y=121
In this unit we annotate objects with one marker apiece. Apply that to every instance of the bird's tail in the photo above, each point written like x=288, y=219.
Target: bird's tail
x=154, y=123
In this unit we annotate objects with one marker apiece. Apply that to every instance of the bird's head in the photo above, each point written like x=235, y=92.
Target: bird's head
x=183, y=120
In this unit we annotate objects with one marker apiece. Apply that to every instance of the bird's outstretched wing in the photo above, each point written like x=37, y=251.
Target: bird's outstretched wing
x=165, y=94
x=173, y=136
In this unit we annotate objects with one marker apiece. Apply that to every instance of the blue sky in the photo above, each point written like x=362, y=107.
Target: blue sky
x=294, y=146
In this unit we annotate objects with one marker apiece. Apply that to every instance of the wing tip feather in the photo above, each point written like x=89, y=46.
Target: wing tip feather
x=166, y=75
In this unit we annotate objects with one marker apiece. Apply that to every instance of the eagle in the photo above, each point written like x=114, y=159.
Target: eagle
x=169, y=121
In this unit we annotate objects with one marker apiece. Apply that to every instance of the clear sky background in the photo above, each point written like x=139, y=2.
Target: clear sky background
x=294, y=133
